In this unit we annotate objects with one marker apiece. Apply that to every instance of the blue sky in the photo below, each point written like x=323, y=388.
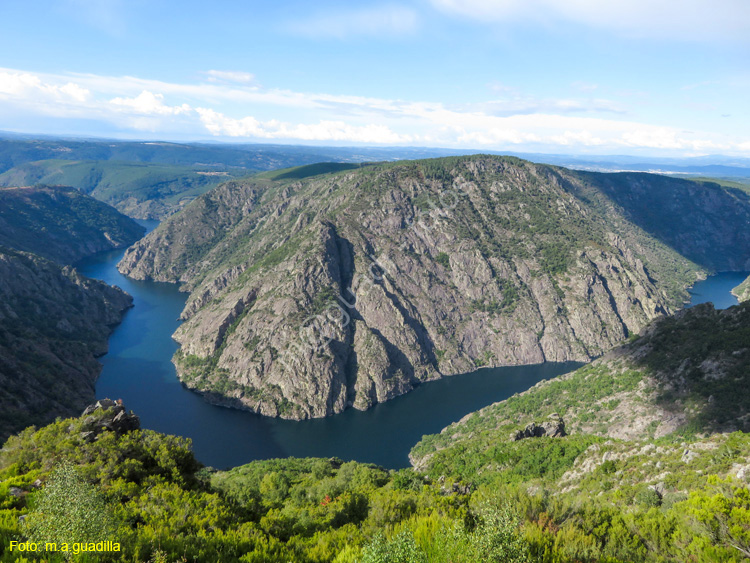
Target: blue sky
x=651, y=77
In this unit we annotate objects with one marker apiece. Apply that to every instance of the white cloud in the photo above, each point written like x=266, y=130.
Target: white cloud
x=682, y=19
x=377, y=21
x=221, y=125
x=148, y=103
x=238, y=77
x=27, y=85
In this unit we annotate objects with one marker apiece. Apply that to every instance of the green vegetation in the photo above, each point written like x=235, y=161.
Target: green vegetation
x=444, y=260
x=739, y=183
x=309, y=170
x=69, y=510
x=692, y=365
x=146, y=491
x=478, y=495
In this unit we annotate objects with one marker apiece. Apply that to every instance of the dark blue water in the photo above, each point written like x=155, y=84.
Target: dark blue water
x=138, y=369
x=717, y=289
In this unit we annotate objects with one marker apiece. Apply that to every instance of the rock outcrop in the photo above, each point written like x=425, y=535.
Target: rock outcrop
x=107, y=415
x=552, y=428
x=688, y=374
x=318, y=293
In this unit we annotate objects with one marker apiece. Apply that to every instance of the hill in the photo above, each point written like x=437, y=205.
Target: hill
x=140, y=190
x=314, y=292
x=15, y=152
x=583, y=497
x=53, y=324
x=53, y=321
x=61, y=223
x=683, y=377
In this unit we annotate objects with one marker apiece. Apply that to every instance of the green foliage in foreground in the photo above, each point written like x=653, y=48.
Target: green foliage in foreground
x=69, y=510
x=164, y=507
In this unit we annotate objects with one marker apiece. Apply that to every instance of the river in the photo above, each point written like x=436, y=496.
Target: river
x=138, y=370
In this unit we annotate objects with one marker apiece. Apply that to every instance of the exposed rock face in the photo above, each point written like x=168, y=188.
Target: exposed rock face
x=553, y=428
x=61, y=224
x=311, y=295
x=53, y=324
x=742, y=291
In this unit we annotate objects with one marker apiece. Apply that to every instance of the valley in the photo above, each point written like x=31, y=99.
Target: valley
x=442, y=281
x=641, y=377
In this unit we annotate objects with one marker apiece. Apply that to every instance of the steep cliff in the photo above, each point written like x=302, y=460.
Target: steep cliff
x=310, y=293
x=61, y=223
x=53, y=324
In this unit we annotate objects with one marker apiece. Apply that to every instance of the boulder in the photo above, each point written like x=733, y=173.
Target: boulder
x=110, y=416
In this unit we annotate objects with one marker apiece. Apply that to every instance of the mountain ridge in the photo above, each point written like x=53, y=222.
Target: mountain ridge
x=61, y=224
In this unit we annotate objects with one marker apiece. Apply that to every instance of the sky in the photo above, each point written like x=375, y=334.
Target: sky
x=641, y=77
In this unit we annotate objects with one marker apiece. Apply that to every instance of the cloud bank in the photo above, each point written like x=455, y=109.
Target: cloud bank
x=233, y=107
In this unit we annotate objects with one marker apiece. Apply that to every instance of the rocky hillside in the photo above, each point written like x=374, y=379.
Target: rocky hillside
x=684, y=376
x=703, y=221
x=53, y=324
x=61, y=224
x=742, y=291
x=313, y=292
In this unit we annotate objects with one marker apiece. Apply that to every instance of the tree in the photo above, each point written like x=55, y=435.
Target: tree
x=723, y=517
x=69, y=510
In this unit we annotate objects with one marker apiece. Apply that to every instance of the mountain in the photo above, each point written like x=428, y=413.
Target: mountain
x=53, y=324
x=742, y=291
x=329, y=286
x=140, y=190
x=150, y=180
x=61, y=224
